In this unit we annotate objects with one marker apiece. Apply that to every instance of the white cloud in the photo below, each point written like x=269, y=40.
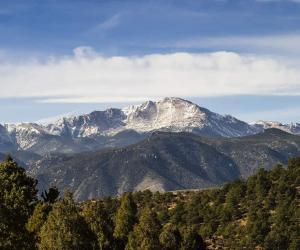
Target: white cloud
x=84, y=52
x=272, y=44
x=90, y=77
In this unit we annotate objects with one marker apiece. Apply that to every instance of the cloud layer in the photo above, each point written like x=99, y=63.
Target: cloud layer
x=89, y=77
x=280, y=44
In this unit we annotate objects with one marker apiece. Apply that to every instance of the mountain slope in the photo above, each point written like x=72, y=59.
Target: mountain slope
x=293, y=128
x=122, y=127
x=165, y=161
x=93, y=124
x=6, y=143
x=265, y=149
x=178, y=115
x=158, y=163
x=116, y=127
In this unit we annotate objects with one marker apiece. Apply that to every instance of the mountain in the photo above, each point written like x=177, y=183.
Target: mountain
x=178, y=115
x=6, y=143
x=89, y=125
x=120, y=127
x=165, y=161
x=293, y=128
x=170, y=114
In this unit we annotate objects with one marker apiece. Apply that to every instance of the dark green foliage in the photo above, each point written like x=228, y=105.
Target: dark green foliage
x=125, y=219
x=145, y=235
x=191, y=240
x=98, y=218
x=17, y=199
x=51, y=196
x=170, y=237
x=261, y=212
x=8, y=158
x=37, y=220
x=65, y=228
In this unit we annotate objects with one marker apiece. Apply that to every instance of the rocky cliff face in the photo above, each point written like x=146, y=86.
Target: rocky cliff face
x=178, y=115
x=89, y=125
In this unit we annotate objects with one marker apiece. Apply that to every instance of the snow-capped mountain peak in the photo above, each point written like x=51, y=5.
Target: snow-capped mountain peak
x=293, y=128
x=25, y=135
x=170, y=114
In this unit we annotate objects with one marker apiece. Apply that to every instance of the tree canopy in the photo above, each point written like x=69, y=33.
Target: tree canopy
x=261, y=212
x=18, y=195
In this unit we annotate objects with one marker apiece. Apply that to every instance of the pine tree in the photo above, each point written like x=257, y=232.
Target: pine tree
x=125, y=219
x=65, y=229
x=170, y=237
x=145, y=235
x=191, y=240
x=17, y=198
x=37, y=220
x=100, y=223
x=51, y=196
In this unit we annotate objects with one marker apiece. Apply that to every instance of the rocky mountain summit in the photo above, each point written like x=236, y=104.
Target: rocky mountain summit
x=165, y=145
x=170, y=114
x=293, y=128
x=178, y=115
x=120, y=127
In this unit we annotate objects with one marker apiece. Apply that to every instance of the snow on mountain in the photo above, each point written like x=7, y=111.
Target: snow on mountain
x=177, y=115
x=169, y=114
x=25, y=135
x=173, y=114
x=293, y=128
x=93, y=124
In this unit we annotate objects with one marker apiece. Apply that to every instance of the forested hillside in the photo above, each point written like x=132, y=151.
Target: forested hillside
x=261, y=212
x=165, y=162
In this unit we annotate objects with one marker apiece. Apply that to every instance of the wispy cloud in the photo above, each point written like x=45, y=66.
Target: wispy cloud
x=108, y=24
x=90, y=77
x=277, y=44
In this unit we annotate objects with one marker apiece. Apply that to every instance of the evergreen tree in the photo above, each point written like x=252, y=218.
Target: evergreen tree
x=17, y=198
x=145, y=235
x=37, y=220
x=65, y=229
x=191, y=240
x=260, y=213
x=51, y=196
x=125, y=219
x=100, y=223
x=170, y=237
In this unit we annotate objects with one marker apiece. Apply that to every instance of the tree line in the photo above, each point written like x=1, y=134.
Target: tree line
x=261, y=212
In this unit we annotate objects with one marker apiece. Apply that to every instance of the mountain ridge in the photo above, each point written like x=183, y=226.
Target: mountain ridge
x=121, y=127
x=165, y=161
x=170, y=114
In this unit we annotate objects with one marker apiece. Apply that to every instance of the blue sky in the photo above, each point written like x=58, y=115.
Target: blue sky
x=237, y=57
